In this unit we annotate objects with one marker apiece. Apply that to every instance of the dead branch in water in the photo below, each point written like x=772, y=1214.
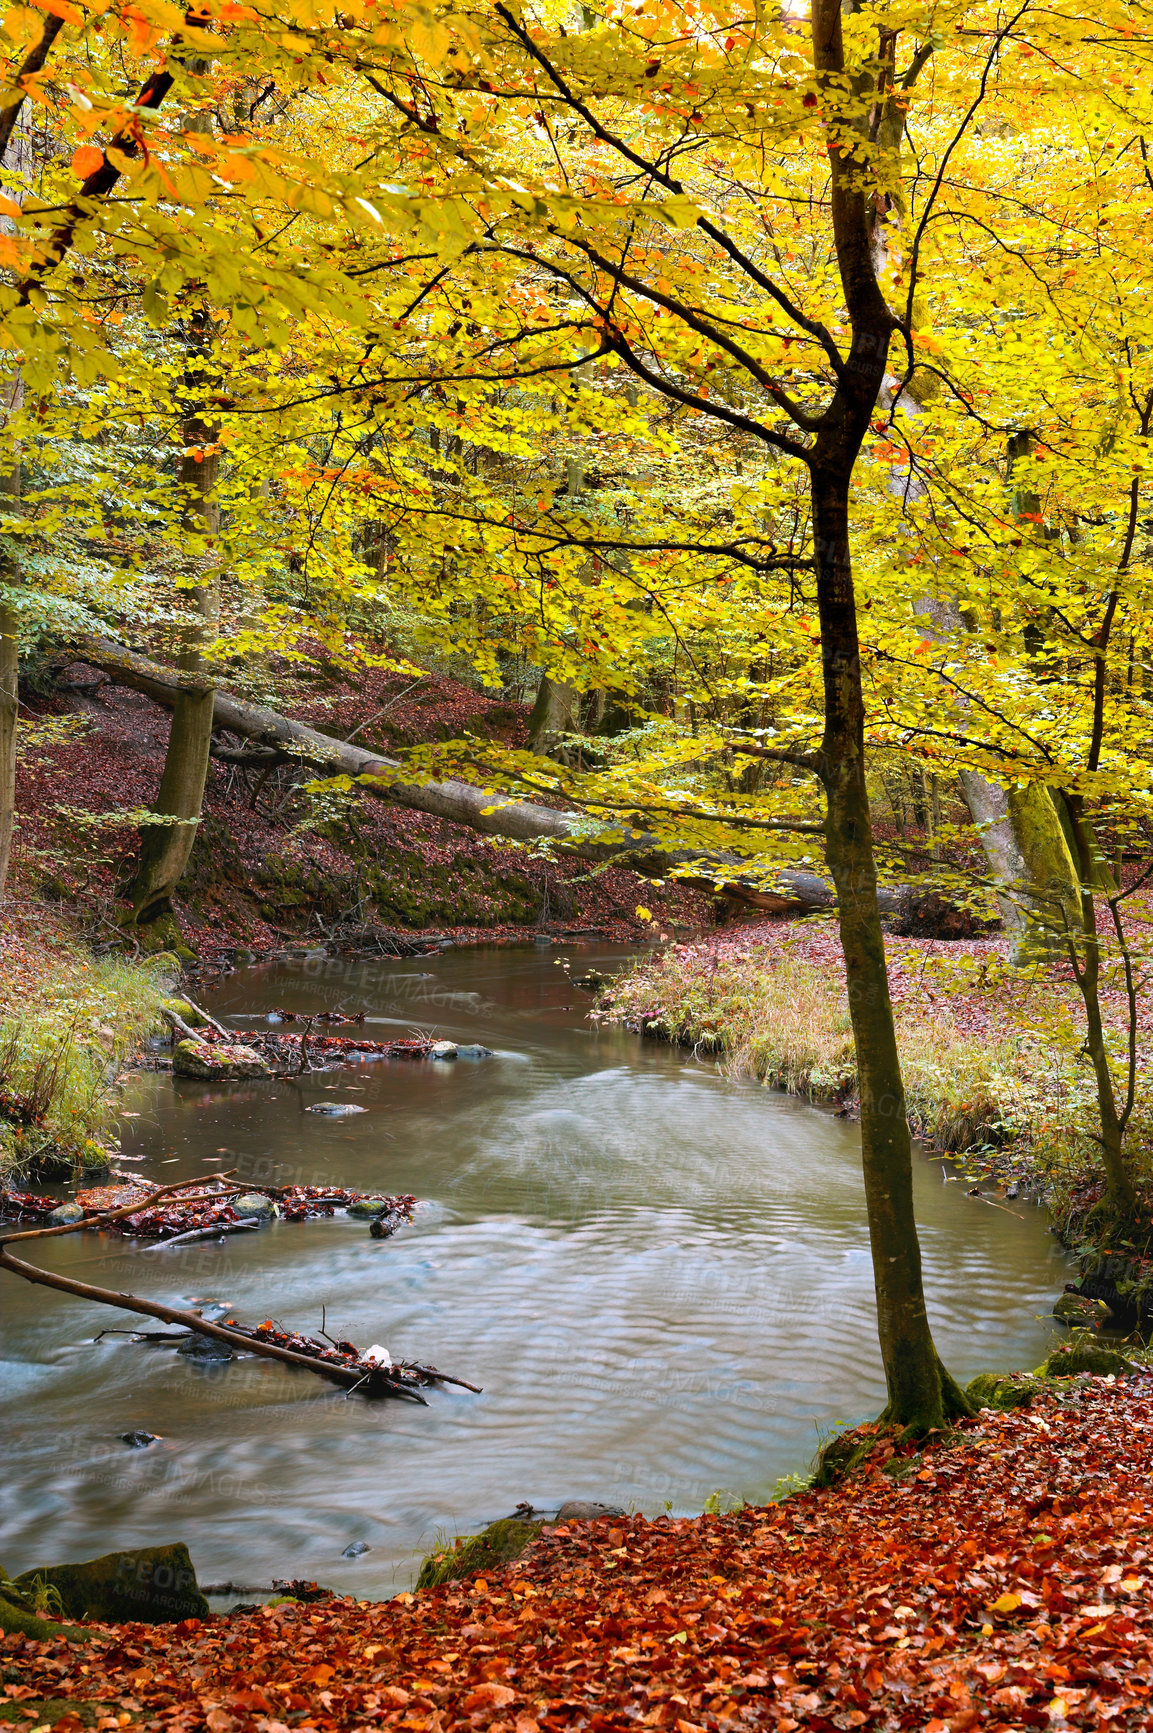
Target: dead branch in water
x=341, y=1367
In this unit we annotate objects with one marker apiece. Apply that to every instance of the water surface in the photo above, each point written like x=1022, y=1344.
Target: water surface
x=660, y=1278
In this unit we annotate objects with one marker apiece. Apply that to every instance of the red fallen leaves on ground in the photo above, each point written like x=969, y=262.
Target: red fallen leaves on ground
x=1002, y=1583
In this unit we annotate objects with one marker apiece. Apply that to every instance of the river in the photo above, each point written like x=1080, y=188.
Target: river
x=660, y=1278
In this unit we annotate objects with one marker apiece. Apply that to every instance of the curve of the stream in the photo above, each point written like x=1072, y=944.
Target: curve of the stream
x=660, y=1278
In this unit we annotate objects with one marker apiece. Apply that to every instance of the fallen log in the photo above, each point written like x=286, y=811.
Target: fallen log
x=341, y=1364
x=481, y=809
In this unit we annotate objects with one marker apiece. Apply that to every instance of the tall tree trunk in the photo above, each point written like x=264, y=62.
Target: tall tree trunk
x=555, y=712
x=921, y=1392
x=166, y=845
x=16, y=154
x=9, y=667
x=922, y=1395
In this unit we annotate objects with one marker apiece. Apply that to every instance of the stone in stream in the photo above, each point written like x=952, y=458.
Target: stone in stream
x=155, y=1585
x=254, y=1203
x=1075, y=1308
x=369, y=1207
x=443, y=1050
x=335, y=1109
x=138, y=1440
x=200, y=1347
x=217, y=1061
x=355, y=1549
x=475, y=1051
x=66, y=1212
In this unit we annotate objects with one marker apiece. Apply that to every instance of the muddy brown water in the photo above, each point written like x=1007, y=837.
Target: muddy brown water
x=660, y=1278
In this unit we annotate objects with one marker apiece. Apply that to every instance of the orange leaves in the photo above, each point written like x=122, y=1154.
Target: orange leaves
x=489, y=1696
x=86, y=159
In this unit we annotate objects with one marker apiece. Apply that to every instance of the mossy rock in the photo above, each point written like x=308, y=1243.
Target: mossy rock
x=163, y=937
x=255, y=1204
x=1003, y=1390
x=841, y=1456
x=154, y=1585
x=497, y=1545
x=1080, y=1357
x=186, y=1012
x=217, y=1061
x=368, y=1208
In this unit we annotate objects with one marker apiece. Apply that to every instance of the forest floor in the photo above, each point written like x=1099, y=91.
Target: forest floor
x=275, y=866
x=1000, y=1578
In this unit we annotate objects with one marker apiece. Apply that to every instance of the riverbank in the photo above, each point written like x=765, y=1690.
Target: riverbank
x=998, y=1579
x=70, y=1024
x=992, y=1060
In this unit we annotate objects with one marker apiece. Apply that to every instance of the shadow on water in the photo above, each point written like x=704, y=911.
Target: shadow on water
x=661, y=1279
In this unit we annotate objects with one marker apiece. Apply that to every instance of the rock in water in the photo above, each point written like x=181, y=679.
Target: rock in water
x=1075, y=1308
x=217, y=1061
x=155, y=1585
x=138, y=1440
x=582, y=1510
x=475, y=1051
x=254, y=1203
x=65, y=1212
x=335, y=1109
x=443, y=1050
x=355, y=1549
x=369, y=1206
x=205, y=1348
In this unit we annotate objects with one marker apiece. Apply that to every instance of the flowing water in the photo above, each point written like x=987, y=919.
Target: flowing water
x=660, y=1278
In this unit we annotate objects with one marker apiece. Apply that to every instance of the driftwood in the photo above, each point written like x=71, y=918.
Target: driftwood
x=480, y=809
x=341, y=1364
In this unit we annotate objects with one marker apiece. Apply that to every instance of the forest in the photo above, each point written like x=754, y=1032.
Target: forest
x=642, y=507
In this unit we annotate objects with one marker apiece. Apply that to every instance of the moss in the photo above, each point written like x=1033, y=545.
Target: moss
x=15, y=1616
x=1003, y=1390
x=217, y=1061
x=841, y=1456
x=46, y=1711
x=396, y=886
x=1079, y=1356
x=497, y=1545
x=186, y=1012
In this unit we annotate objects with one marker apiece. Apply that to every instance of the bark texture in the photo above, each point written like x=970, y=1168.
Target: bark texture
x=166, y=845
x=555, y=713
x=922, y=1395
x=9, y=670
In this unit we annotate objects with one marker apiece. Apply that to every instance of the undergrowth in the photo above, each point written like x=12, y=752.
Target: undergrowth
x=68, y=1025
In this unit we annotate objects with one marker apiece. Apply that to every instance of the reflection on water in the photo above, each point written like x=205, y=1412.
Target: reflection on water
x=661, y=1279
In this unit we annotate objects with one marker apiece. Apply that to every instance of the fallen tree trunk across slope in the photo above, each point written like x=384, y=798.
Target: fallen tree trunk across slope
x=480, y=809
